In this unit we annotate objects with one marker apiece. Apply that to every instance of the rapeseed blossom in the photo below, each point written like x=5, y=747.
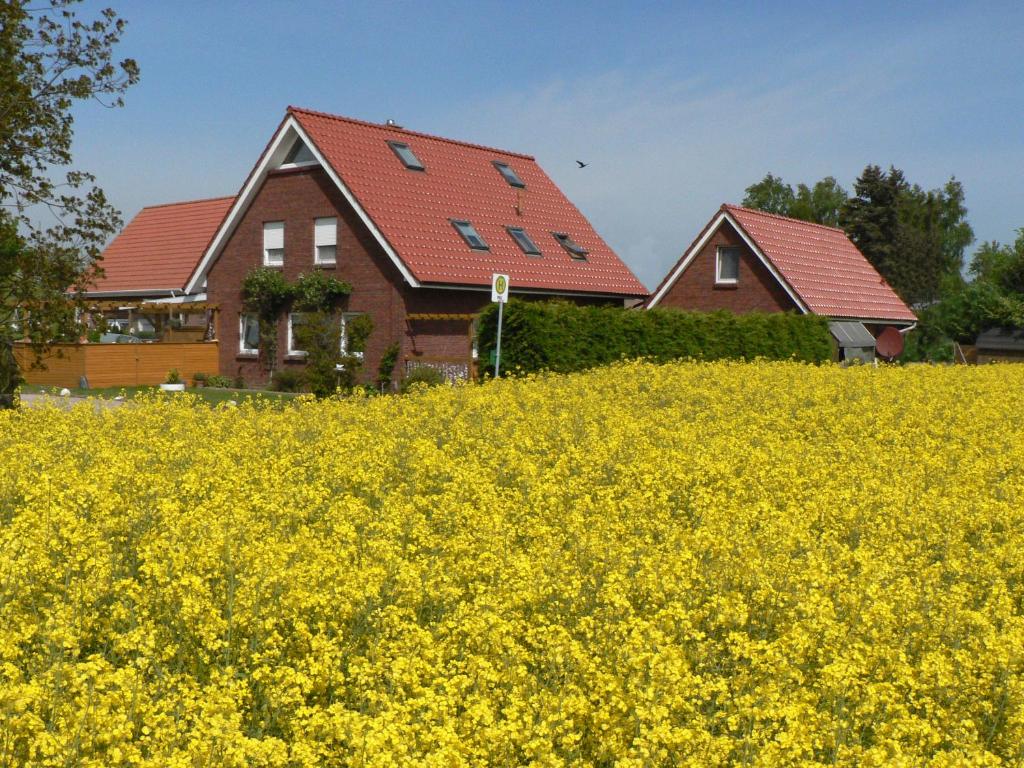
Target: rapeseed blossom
x=689, y=564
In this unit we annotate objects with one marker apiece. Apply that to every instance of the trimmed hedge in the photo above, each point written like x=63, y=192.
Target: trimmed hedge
x=562, y=337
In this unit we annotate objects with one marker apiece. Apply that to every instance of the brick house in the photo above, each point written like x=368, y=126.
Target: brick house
x=415, y=223
x=746, y=260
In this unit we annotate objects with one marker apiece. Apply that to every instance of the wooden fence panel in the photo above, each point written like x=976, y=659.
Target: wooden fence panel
x=65, y=365
x=120, y=365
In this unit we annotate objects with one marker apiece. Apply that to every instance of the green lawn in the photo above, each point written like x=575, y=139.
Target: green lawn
x=209, y=394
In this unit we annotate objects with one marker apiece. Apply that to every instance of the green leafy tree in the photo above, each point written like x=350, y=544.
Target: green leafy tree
x=771, y=195
x=820, y=203
x=54, y=220
x=1001, y=265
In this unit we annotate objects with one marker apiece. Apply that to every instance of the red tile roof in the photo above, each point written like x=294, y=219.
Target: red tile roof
x=822, y=266
x=413, y=209
x=161, y=246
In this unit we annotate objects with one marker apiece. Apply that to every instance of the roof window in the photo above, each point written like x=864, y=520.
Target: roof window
x=523, y=241
x=470, y=235
x=576, y=251
x=406, y=155
x=510, y=176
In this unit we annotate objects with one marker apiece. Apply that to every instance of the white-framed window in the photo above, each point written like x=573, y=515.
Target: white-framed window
x=325, y=240
x=727, y=265
x=248, y=335
x=346, y=318
x=298, y=156
x=295, y=321
x=273, y=243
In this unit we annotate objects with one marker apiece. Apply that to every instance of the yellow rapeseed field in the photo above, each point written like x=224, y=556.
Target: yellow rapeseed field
x=691, y=564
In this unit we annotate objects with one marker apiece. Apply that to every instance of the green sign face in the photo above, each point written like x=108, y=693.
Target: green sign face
x=500, y=284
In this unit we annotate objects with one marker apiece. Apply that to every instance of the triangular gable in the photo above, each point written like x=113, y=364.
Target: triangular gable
x=716, y=223
x=280, y=146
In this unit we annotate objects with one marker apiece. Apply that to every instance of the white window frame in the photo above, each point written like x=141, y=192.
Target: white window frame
x=346, y=317
x=324, y=237
x=273, y=226
x=242, y=349
x=719, y=280
x=292, y=351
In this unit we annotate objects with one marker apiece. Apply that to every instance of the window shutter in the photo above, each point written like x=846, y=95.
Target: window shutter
x=273, y=235
x=325, y=231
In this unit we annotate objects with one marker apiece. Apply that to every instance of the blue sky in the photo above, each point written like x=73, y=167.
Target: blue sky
x=676, y=106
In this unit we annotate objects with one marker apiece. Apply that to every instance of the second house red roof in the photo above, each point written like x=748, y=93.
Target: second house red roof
x=160, y=247
x=822, y=266
x=413, y=209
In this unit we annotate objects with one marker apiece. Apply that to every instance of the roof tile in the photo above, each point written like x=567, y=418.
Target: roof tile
x=822, y=266
x=161, y=246
x=412, y=209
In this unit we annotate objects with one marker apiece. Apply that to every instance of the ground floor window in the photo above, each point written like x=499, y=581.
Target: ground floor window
x=296, y=321
x=248, y=334
x=346, y=321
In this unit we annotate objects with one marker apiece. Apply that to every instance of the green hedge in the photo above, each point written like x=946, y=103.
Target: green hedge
x=562, y=337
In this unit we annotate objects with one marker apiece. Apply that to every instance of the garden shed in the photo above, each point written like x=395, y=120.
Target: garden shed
x=853, y=340
x=1000, y=345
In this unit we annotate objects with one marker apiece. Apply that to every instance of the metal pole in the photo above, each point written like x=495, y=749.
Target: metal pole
x=497, y=350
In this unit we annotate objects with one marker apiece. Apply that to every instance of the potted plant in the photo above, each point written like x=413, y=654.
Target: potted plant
x=199, y=379
x=174, y=382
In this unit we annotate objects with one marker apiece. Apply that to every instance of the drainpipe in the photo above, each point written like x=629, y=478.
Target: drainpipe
x=908, y=329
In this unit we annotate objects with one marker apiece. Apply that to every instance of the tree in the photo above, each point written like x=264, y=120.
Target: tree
x=820, y=204
x=1001, y=265
x=53, y=229
x=770, y=195
x=871, y=218
x=915, y=238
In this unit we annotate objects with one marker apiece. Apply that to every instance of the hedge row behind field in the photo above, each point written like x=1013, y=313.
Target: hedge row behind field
x=562, y=337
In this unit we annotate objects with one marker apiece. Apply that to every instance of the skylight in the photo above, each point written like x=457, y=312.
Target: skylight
x=510, y=176
x=576, y=251
x=406, y=155
x=523, y=241
x=470, y=235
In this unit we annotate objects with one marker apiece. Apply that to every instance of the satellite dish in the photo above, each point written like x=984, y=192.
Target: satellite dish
x=889, y=344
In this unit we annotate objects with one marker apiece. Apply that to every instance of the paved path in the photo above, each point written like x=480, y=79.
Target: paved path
x=33, y=400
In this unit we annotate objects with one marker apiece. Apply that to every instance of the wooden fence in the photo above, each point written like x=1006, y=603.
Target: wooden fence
x=118, y=365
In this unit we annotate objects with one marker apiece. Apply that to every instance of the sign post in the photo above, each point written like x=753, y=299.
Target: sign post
x=499, y=293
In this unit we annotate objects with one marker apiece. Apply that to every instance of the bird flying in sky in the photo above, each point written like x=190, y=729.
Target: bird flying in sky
x=581, y=164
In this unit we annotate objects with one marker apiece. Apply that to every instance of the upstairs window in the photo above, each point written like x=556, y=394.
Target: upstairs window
x=576, y=251
x=325, y=240
x=470, y=235
x=523, y=241
x=406, y=155
x=273, y=243
x=727, y=265
x=298, y=155
x=510, y=176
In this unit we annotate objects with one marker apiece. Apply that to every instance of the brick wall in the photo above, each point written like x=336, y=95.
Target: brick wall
x=297, y=198
x=755, y=290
